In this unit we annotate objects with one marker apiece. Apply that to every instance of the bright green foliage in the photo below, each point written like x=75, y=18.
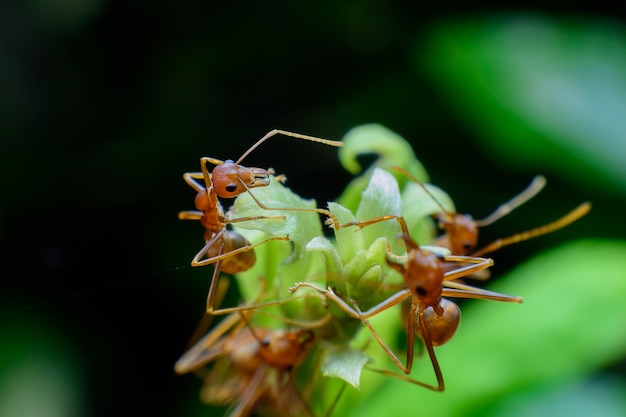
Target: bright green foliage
x=535, y=87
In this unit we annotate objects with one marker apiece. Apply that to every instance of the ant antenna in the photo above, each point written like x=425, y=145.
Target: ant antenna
x=290, y=134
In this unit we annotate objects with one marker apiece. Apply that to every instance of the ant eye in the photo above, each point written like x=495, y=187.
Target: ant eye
x=231, y=188
x=265, y=342
x=467, y=246
x=420, y=291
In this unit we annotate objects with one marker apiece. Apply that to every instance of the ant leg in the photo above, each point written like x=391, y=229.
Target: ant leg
x=433, y=359
x=207, y=245
x=326, y=213
x=356, y=313
x=208, y=261
x=191, y=177
x=256, y=305
x=206, y=319
x=253, y=392
x=190, y=215
x=362, y=223
x=329, y=411
x=305, y=324
x=245, y=219
x=567, y=219
x=459, y=290
x=479, y=265
x=206, y=349
x=532, y=190
x=352, y=311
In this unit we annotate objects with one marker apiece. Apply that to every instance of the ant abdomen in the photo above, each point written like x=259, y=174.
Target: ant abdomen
x=441, y=327
x=238, y=262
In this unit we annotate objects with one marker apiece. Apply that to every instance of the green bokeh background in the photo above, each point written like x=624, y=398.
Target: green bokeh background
x=103, y=106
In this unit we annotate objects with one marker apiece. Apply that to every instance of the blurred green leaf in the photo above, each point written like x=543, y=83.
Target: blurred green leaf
x=536, y=87
x=38, y=373
x=597, y=396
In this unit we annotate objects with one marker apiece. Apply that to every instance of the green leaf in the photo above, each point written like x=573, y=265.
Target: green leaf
x=301, y=226
x=346, y=364
x=380, y=198
x=536, y=87
x=348, y=239
x=363, y=250
x=391, y=149
x=334, y=268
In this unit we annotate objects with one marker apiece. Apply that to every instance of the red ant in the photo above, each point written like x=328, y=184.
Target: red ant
x=461, y=230
x=427, y=280
x=228, y=250
x=254, y=367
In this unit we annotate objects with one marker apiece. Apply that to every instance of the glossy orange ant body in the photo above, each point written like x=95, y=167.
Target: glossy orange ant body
x=228, y=250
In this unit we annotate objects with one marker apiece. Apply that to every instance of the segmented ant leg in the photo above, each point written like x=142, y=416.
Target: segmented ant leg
x=211, y=260
x=252, y=393
x=425, y=335
x=355, y=312
x=476, y=264
x=206, y=349
x=205, y=321
x=362, y=223
x=190, y=215
x=191, y=177
x=331, y=216
x=460, y=290
x=331, y=408
x=257, y=306
x=197, y=215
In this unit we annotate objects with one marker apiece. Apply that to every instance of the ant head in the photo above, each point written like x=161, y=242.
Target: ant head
x=441, y=326
x=231, y=179
x=423, y=275
x=461, y=233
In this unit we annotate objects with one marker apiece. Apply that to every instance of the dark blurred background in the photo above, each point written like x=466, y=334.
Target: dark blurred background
x=105, y=104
